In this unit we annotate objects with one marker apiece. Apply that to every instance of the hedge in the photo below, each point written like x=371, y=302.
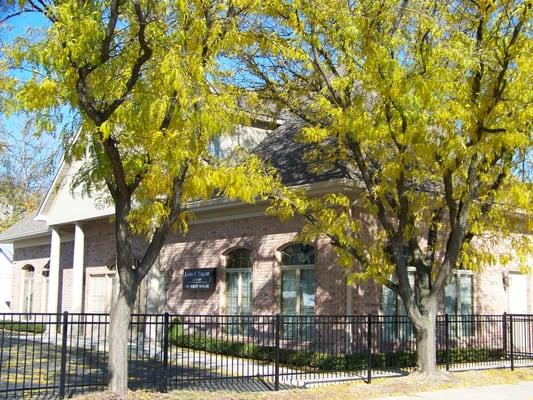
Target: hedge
x=318, y=360
x=28, y=327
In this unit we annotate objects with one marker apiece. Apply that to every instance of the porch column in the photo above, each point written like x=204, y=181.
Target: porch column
x=78, y=269
x=152, y=300
x=53, y=286
x=349, y=312
x=153, y=292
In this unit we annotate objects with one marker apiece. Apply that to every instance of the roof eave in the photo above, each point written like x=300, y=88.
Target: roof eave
x=315, y=188
x=24, y=236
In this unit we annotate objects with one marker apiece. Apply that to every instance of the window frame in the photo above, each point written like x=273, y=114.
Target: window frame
x=239, y=316
x=303, y=333
x=398, y=332
x=458, y=325
x=28, y=287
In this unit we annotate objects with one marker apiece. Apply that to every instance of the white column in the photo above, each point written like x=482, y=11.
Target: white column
x=78, y=269
x=349, y=312
x=152, y=299
x=53, y=286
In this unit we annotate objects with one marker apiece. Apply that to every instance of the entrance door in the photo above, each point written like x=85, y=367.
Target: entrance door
x=518, y=305
x=517, y=293
x=99, y=299
x=101, y=292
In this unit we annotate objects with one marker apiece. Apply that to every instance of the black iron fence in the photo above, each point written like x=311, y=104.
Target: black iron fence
x=50, y=356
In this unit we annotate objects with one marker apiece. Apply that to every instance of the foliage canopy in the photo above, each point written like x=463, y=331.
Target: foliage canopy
x=426, y=106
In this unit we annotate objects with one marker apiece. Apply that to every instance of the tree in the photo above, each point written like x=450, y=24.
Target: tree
x=26, y=165
x=426, y=107
x=149, y=82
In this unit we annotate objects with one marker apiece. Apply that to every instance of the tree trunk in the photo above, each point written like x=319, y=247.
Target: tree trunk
x=426, y=345
x=423, y=316
x=118, y=342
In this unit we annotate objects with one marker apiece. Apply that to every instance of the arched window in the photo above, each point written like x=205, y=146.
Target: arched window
x=298, y=290
x=298, y=254
x=238, y=286
x=27, y=300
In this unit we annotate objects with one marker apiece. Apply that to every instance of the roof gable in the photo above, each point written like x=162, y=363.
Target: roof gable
x=65, y=204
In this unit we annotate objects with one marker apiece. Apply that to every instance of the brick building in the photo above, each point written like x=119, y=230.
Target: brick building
x=64, y=256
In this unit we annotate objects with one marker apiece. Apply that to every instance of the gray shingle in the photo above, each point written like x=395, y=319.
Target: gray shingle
x=281, y=150
x=28, y=226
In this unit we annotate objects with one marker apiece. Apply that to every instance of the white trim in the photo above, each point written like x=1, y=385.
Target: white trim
x=39, y=216
x=59, y=175
x=235, y=270
x=41, y=240
x=301, y=266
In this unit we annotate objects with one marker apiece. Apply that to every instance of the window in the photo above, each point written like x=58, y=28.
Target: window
x=239, y=289
x=396, y=323
x=215, y=148
x=298, y=291
x=27, y=299
x=458, y=303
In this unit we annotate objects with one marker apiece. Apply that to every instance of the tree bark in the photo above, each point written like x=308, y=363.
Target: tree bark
x=123, y=305
x=118, y=341
x=424, y=320
x=426, y=344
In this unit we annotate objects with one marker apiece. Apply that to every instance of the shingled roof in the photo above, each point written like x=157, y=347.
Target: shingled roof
x=26, y=227
x=279, y=148
x=283, y=152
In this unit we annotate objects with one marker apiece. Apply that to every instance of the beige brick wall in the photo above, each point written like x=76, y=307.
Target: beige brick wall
x=206, y=244
x=37, y=257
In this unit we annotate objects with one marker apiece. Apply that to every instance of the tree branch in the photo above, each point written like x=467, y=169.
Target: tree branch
x=122, y=191
x=144, y=56
x=369, y=184
x=110, y=31
x=161, y=233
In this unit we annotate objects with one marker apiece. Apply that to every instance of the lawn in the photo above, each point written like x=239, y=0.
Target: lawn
x=351, y=390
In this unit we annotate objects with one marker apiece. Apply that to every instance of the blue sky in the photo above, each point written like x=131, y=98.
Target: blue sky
x=23, y=24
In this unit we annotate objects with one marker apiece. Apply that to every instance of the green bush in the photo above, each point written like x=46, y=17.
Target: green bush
x=175, y=330
x=473, y=355
x=318, y=360
x=25, y=327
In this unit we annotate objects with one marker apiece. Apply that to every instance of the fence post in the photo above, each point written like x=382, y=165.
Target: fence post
x=511, y=339
x=63, y=373
x=447, y=340
x=276, y=366
x=369, y=349
x=504, y=334
x=166, y=324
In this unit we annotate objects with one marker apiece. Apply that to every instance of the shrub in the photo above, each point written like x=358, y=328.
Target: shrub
x=175, y=330
x=317, y=360
x=23, y=327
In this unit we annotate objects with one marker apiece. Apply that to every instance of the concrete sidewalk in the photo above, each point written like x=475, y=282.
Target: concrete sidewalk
x=516, y=391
